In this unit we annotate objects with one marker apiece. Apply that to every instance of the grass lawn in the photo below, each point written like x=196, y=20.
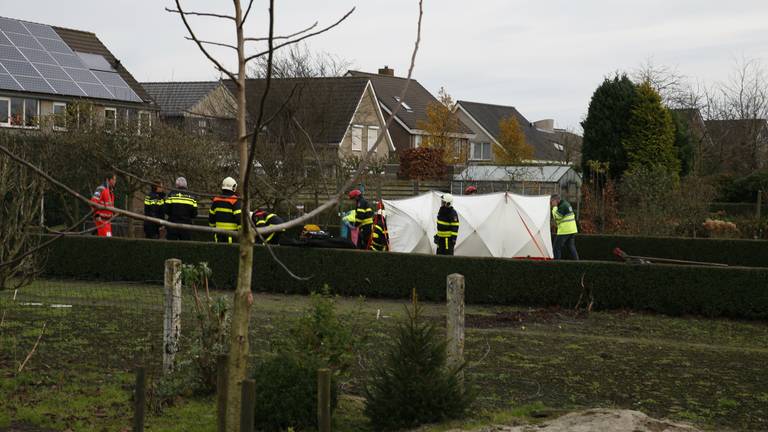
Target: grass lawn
x=527, y=363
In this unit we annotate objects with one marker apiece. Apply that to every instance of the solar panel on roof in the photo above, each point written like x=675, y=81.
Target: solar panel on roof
x=9, y=83
x=34, y=84
x=52, y=72
x=19, y=68
x=23, y=41
x=29, y=50
x=37, y=56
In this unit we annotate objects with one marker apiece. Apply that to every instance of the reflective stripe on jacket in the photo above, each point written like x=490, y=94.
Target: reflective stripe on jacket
x=225, y=214
x=566, y=223
x=447, y=222
x=180, y=207
x=363, y=213
x=264, y=219
x=379, y=238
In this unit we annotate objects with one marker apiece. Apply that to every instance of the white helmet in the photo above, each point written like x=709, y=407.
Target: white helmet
x=229, y=184
x=447, y=198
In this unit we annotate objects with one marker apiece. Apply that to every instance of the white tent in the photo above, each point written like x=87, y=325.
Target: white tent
x=497, y=225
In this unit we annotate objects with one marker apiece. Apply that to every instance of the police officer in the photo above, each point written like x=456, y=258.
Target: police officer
x=154, y=206
x=180, y=207
x=565, y=218
x=363, y=218
x=225, y=210
x=447, y=226
x=262, y=219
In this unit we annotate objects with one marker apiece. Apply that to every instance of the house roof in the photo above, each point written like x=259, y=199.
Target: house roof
x=87, y=42
x=543, y=174
x=417, y=98
x=735, y=131
x=177, y=98
x=489, y=116
x=324, y=106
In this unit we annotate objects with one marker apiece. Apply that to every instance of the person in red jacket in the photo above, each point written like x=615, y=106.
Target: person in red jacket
x=104, y=195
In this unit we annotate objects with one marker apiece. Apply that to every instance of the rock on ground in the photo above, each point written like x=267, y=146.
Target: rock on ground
x=599, y=419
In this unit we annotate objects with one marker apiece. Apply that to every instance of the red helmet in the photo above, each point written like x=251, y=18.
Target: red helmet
x=470, y=190
x=354, y=193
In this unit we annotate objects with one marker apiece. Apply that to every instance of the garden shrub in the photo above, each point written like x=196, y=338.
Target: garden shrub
x=286, y=394
x=412, y=384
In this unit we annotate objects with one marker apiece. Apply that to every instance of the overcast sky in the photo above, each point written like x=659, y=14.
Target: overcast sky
x=544, y=57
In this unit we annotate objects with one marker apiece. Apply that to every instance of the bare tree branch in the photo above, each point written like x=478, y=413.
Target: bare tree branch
x=114, y=209
x=202, y=14
x=314, y=150
x=261, y=39
x=150, y=182
x=245, y=15
x=363, y=163
x=271, y=49
x=205, y=52
x=225, y=45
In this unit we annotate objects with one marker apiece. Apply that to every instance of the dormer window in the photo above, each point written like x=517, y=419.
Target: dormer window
x=404, y=105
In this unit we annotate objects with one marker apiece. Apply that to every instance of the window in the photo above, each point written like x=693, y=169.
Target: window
x=373, y=135
x=416, y=141
x=59, y=116
x=84, y=115
x=357, y=138
x=457, y=149
x=481, y=151
x=202, y=126
x=31, y=112
x=5, y=111
x=405, y=105
x=558, y=146
x=145, y=122
x=110, y=119
x=18, y=112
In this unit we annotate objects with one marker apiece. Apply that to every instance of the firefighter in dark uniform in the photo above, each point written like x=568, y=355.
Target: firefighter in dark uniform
x=180, y=207
x=363, y=218
x=154, y=206
x=225, y=211
x=262, y=219
x=447, y=226
x=380, y=235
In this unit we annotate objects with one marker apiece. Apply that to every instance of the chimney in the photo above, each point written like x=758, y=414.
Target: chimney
x=387, y=71
x=547, y=125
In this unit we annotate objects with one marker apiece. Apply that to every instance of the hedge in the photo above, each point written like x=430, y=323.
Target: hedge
x=747, y=253
x=673, y=290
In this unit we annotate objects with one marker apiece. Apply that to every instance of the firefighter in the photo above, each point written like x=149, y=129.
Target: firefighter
x=263, y=218
x=363, y=218
x=380, y=235
x=565, y=218
x=447, y=226
x=180, y=207
x=154, y=204
x=105, y=196
x=225, y=210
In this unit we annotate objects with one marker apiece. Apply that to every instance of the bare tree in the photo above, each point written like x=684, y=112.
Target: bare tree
x=246, y=144
x=299, y=62
x=21, y=193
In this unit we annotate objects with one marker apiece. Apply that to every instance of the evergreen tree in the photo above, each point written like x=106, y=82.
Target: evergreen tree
x=683, y=143
x=413, y=384
x=650, y=142
x=607, y=124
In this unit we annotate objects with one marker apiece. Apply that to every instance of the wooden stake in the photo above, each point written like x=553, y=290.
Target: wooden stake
x=324, y=400
x=172, y=321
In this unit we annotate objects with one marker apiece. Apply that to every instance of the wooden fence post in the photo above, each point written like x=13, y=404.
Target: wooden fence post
x=455, y=320
x=324, y=400
x=759, y=204
x=139, y=399
x=248, y=406
x=172, y=321
x=221, y=393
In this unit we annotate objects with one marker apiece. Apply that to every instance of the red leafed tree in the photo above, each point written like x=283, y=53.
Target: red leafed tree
x=423, y=163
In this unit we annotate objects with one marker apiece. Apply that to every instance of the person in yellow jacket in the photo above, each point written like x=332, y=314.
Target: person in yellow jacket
x=565, y=218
